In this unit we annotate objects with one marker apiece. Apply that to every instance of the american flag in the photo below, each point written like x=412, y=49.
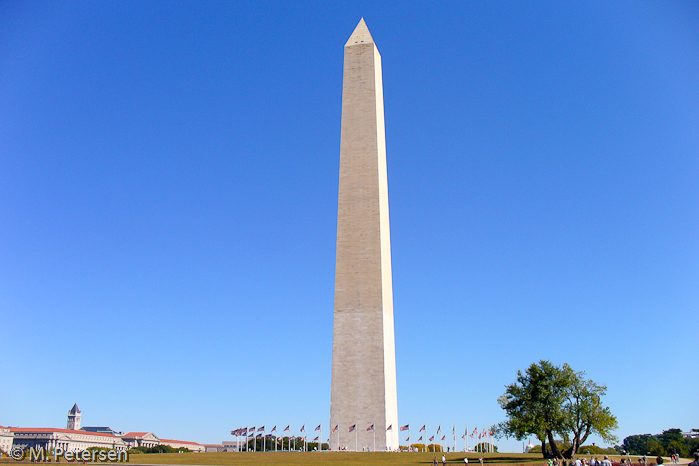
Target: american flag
x=422, y=428
x=389, y=428
x=439, y=428
x=261, y=429
x=408, y=440
x=274, y=429
x=420, y=439
x=351, y=428
x=405, y=427
x=303, y=428
x=443, y=437
x=371, y=427
x=315, y=439
x=475, y=431
x=318, y=428
x=335, y=428
x=286, y=428
x=432, y=438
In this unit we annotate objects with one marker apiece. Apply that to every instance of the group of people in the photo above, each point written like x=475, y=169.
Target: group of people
x=581, y=462
x=444, y=460
x=592, y=462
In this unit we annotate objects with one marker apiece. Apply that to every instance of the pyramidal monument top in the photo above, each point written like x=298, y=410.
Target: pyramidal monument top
x=361, y=35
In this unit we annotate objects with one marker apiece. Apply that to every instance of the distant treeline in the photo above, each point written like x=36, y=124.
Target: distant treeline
x=670, y=442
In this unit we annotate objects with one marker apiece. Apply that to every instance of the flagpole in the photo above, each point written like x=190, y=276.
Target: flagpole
x=374, y=429
x=356, y=446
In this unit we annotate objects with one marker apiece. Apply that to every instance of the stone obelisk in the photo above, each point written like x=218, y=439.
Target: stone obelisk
x=363, y=392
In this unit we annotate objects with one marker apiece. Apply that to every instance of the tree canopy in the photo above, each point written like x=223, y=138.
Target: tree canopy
x=671, y=441
x=548, y=401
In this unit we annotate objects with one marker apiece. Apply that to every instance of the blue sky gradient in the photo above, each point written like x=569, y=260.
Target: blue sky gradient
x=168, y=197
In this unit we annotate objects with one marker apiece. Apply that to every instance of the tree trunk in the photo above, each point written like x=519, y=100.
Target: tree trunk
x=582, y=440
x=554, y=448
x=543, y=445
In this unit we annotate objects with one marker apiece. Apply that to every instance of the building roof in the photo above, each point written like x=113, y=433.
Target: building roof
x=107, y=430
x=139, y=435
x=179, y=441
x=74, y=409
x=39, y=430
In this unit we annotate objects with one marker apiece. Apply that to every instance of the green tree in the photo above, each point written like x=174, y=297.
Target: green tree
x=547, y=400
x=673, y=442
x=636, y=444
x=585, y=414
x=534, y=404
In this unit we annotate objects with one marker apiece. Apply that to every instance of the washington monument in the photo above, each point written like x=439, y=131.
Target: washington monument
x=363, y=401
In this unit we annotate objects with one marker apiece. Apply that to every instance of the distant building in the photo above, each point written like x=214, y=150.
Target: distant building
x=75, y=438
x=213, y=448
x=191, y=446
x=140, y=439
x=50, y=438
x=234, y=445
x=694, y=433
x=74, y=416
x=6, y=439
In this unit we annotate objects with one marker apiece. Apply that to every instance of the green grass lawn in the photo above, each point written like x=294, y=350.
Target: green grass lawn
x=344, y=458
x=326, y=458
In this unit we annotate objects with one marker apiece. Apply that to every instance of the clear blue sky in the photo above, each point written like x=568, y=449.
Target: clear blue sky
x=168, y=196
